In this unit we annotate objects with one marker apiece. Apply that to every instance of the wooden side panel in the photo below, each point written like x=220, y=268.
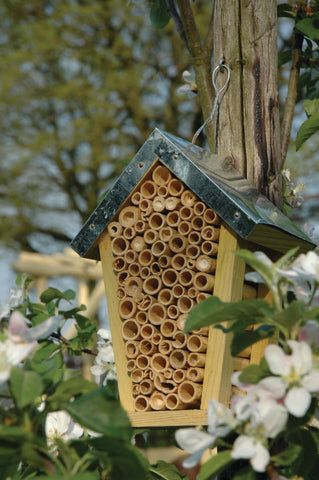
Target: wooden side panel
x=229, y=280
x=110, y=282
x=168, y=418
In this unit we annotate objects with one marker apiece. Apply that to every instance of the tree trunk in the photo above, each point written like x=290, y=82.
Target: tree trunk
x=245, y=36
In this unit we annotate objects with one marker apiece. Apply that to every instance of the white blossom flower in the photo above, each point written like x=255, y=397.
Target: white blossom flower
x=16, y=298
x=190, y=89
x=104, y=361
x=295, y=373
x=59, y=424
x=309, y=333
x=305, y=268
x=247, y=447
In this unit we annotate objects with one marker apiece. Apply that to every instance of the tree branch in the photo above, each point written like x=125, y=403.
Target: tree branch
x=171, y=7
x=291, y=96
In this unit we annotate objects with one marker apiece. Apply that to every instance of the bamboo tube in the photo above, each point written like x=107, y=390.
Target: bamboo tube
x=166, y=233
x=131, y=330
x=134, y=269
x=162, y=191
x=186, y=277
x=122, y=276
x=151, y=236
x=172, y=203
x=211, y=217
x=145, y=272
x=136, y=389
x=180, y=340
x=159, y=362
x=173, y=311
x=120, y=293
x=164, y=261
x=157, y=221
x=197, y=343
x=179, y=375
x=175, y=187
x=207, y=264
x=148, y=189
x=160, y=248
x=192, y=292
x=119, y=245
x=147, y=386
x=202, y=296
x=157, y=338
x=127, y=307
x=197, y=359
x=201, y=331
x=142, y=403
x=178, y=358
x=194, y=238
x=129, y=233
x=157, y=401
x=179, y=261
x=189, y=392
x=147, y=347
x=130, y=256
x=137, y=375
x=140, y=226
x=146, y=373
x=249, y=292
x=168, y=328
x=181, y=321
x=157, y=313
x=158, y=204
x=204, y=281
x=199, y=208
x=178, y=243
x=155, y=268
x=210, y=233
x=132, y=349
x=133, y=287
x=168, y=373
x=178, y=290
x=246, y=353
x=184, y=227
x=193, y=251
x=152, y=284
x=119, y=264
x=146, y=207
x=128, y=216
x=186, y=213
x=191, y=264
x=209, y=248
x=115, y=229
x=141, y=317
x=161, y=175
x=169, y=277
x=197, y=223
x=169, y=386
x=195, y=374
x=145, y=258
x=147, y=331
x=173, y=402
x=185, y=304
x=138, y=244
x=165, y=296
x=136, y=198
x=173, y=219
x=165, y=347
x=142, y=361
x=130, y=365
x=188, y=198
x=240, y=363
x=146, y=302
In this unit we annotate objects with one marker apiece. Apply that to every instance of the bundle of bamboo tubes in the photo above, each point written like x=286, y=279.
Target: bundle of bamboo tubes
x=165, y=244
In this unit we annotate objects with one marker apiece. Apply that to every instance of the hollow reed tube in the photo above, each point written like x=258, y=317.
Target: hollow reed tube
x=185, y=304
x=142, y=403
x=150, y=236
x=207, y=264
x=165, y=296
x=142, y=361
x=131, y=330
x=157, y=401
x=184, y=227
x=169, y=277
x=168, y=328
x=173, y=402
x=166, y=233
x=186, y=277
x=161, y=175
x=178, y=243
x=157, y=313
x=179, y=375
x=195, y=374
x=189, y=392
x=160, y=248
x=152, y=284
x=178, y=358
x=159, y=362
x=119, y=245
x=197, y=343
x=147, y=347
x=165, y=347
x=130, y=256
x=211, y=217
x=172, y=203
x=210, y=233
x=115, y=229
x=204, y=281
x=175, y=187
x=209, y=248
x=188, y=198
x=133, y=286
x=157, y=220
x=148, y=189
x=119, y=264
x=197, y=359
x=127, y=307
x=138, y=243
x=179, y=261
x=131, y=348
x=147, y=386
x=128, y=216
x=145, y=258
x=158, y=204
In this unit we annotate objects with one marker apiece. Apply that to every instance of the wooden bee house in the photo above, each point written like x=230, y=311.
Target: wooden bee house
x=165, y=234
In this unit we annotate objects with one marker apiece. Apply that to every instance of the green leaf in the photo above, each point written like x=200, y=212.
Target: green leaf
x=253, y=374
x=309, y=27
x=245, y=339
x=50, y=370
x=246, y=473
x=288, y=456
x=311, y=106
x=284, y=57
x=26, y=386
x=159, y=14
x=215, y=465
x=97, y=412
x=307, y=129
x=52, y=293
x=305, y=447
x=165, y=471
x=288, y=317
x=71, y=388
x=212, y=311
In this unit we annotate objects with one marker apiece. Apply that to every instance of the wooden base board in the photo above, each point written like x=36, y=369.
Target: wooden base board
x=166, y=418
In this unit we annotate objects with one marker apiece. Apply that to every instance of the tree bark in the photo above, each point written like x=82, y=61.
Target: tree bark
x=245, y=36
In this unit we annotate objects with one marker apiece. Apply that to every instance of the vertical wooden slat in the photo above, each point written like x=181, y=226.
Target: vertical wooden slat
x=229, y=280
x=110, y=282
